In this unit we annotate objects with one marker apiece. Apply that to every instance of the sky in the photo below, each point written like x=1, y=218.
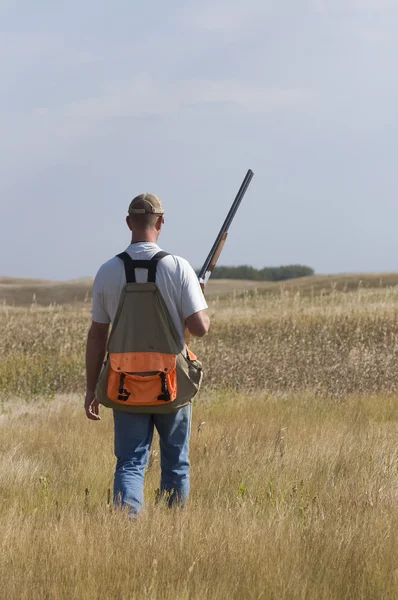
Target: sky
x=101, y=101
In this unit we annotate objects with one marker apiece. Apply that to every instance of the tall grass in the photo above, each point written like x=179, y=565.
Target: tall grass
x=291, y=498
x=294, y=460
x=330, y=344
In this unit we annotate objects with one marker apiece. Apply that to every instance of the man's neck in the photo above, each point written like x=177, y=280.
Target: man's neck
x=143, y=237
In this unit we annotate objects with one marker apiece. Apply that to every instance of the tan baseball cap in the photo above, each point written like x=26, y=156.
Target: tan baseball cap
x=146, y=204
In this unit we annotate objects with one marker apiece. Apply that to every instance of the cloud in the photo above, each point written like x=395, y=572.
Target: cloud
x=234, y=18
x=32, y=50
x=221, y=16
x=145, y=96
x=238, y=19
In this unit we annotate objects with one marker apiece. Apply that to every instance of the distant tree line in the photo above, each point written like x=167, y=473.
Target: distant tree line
x=266, y=274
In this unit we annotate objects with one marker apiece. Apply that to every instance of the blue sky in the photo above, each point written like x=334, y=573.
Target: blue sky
x=101, y=101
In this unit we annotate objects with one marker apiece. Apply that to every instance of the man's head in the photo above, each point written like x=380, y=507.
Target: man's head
x=145, y=216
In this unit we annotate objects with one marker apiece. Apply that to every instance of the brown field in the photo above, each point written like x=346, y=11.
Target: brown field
x=24, y=292
x=294, y=455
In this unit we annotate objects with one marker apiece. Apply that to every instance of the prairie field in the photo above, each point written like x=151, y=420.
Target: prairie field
x=294, y=457
x=25, y=292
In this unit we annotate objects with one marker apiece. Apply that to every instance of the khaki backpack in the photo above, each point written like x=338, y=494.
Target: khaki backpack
x=146, y=370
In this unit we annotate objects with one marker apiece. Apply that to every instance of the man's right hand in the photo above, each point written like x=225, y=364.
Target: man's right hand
x=91, y=406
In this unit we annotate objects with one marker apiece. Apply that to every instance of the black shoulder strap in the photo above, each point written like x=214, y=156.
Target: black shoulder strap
x=130, y=265
x=161, y=254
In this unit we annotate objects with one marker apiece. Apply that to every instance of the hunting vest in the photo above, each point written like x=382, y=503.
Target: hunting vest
x=146, y=370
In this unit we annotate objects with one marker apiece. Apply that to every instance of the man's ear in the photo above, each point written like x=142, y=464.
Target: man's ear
x=159, y=223
x=128, y=221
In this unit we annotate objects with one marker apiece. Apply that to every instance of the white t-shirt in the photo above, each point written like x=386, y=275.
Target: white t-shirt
x=175, y=278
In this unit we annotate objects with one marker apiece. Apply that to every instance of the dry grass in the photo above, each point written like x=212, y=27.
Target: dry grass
x=294, y=460
x=328, y=344
x=25, y=292
x=327, y=284
x=333, y=345
x=293, y=498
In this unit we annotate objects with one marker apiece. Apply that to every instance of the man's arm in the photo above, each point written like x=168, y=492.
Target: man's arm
x=193, y=302
x=95, y=352
x=198, y=324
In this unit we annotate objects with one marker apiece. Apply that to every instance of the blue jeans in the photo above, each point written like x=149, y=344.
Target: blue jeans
x=133, y=439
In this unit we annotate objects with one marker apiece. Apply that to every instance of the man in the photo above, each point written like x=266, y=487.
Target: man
x=183, y=297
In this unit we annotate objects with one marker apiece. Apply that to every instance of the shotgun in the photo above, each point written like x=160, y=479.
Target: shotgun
x=214, y=254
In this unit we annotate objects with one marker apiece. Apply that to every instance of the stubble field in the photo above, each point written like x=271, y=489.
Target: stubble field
x=294, y=459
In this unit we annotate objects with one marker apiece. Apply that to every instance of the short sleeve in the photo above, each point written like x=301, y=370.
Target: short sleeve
x=98, y=312
x=192, y=300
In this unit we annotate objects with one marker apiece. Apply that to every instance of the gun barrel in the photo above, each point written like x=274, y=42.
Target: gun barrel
x=228, y=220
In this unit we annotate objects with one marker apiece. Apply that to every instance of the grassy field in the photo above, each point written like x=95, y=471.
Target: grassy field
x=25, y=292
x=330, y=344
x=294, y=458
x=28, y=292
